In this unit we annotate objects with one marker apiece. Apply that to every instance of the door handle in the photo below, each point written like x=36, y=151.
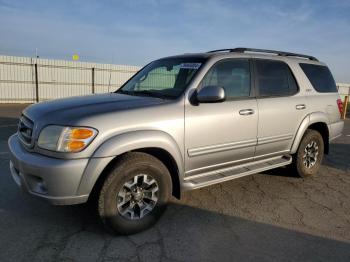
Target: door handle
x=300, y=107
x=245, y=112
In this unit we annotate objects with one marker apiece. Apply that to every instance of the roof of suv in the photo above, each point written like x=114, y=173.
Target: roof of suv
x=253, y=51
x=265, y=51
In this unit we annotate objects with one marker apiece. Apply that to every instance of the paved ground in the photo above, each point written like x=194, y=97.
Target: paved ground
x=272, y=216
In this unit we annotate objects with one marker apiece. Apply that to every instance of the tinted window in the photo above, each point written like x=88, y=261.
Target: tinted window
x=233, y=75
x=274, y=78
x=320, y=77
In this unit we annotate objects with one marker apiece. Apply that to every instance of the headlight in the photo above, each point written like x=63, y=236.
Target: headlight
x=66, y=139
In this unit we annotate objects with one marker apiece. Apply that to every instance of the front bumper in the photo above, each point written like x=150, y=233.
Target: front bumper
x=56, y=180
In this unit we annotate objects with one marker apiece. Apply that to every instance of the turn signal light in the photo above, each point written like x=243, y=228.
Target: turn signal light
x=81, y=133
x=75, y=145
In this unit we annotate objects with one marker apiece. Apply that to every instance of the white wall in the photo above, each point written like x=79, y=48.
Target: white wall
x=56, y=78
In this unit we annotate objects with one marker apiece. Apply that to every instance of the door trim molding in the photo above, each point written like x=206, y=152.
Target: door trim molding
x=272, y=139
x=199, y=151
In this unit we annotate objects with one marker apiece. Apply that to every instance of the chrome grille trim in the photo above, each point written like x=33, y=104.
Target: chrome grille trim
x=25, y=130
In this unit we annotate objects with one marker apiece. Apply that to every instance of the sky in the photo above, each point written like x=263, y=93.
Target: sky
x=135, y=32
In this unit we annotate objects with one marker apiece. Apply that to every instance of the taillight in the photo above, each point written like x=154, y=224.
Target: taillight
x=340, y=105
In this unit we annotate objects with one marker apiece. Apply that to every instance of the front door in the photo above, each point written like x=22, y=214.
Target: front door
x=219, y=135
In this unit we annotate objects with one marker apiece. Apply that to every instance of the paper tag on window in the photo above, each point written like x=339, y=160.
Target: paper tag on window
x=190, y=65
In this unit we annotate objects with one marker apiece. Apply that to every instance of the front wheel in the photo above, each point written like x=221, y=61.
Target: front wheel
x=135, y=193
x=308, y=158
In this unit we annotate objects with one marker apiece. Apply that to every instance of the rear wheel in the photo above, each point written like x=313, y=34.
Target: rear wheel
x=135, y=193
x=308, y=159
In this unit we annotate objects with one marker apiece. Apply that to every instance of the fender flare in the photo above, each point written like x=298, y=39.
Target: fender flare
x=123, y=143
x=316, y=117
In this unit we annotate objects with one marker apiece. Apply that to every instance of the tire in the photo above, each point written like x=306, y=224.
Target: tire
x=125, y=217
x=308, y=158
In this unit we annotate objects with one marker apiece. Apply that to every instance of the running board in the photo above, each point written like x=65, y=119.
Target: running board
x=211, y=178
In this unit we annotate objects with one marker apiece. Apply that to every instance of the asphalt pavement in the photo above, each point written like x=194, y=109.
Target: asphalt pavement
x=272, y=216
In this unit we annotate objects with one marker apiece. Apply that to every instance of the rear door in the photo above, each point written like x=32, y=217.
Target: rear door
x=281, y=107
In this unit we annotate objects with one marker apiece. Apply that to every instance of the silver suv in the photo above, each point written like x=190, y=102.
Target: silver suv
x=180, y=123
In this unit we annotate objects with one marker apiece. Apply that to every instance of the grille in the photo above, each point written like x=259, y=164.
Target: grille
x=25, y=130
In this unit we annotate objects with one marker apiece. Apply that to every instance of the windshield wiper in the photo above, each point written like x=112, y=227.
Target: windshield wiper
x=150, y=93
x=126, y=92
x=144, y=93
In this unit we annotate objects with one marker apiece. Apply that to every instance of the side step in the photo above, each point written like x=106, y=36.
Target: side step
x=210, y=178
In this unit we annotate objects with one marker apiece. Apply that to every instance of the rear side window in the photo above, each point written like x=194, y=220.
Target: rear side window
x=320, y=78
x=274, y=78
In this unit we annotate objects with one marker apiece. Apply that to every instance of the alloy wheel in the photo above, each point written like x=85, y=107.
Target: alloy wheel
x=137, y=197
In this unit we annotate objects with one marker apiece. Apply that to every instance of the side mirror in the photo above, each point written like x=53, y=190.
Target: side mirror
x=211, y=94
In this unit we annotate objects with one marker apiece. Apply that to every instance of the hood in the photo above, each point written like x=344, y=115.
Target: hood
x=68, y=110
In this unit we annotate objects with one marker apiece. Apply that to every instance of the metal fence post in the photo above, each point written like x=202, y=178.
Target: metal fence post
x=345, y=106
x=93, y=80
x=36, y=83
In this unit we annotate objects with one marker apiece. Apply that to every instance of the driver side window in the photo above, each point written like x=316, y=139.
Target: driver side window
x=233, y=75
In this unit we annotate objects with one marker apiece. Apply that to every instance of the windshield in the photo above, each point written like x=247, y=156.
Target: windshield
x=165, y=78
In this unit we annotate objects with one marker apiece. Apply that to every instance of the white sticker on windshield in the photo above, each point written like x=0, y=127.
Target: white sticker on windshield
x=190, y=65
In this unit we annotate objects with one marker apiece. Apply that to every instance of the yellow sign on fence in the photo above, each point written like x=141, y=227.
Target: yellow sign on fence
x=75, y=57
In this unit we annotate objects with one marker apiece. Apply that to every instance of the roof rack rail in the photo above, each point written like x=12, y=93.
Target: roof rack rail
x=256, y=50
